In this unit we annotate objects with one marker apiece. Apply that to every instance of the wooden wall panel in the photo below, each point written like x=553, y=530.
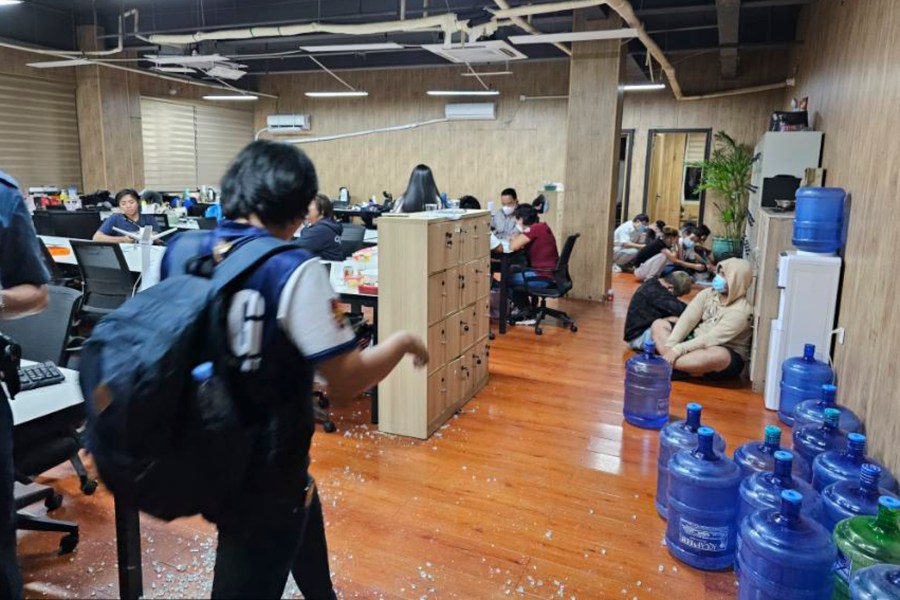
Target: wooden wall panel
x=848, y=68
x=14, y=62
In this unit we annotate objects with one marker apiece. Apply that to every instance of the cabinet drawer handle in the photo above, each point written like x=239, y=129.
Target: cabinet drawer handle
x=465, y=325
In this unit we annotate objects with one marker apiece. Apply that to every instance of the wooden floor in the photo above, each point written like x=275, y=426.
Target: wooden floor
x=537, y=490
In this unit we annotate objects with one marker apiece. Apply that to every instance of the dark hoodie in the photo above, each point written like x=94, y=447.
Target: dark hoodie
x=323, y=238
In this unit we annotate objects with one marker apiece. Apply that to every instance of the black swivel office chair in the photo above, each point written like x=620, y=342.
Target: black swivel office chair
x=561, y=285
x=107, y=280
x=352, y=238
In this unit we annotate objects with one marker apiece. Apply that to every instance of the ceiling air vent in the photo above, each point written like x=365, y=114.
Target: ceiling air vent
x=491, y=51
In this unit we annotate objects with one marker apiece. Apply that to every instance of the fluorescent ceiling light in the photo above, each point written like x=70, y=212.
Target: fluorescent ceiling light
x=185, y=60
x=485, y=73
x=574, y=36
x=463, y=93
x=347, y=94
x=353, y=47
x=643, y=87
x=230, y=97
x=226, y=71
x=52, y=64
x=10, y=2
x=174, y=69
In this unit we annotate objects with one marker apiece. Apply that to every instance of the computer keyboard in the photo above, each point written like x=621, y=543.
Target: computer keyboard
x=39, y=375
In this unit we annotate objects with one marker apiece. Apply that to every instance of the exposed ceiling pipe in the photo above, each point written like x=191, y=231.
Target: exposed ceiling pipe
x=525, y=25
x=744, y=90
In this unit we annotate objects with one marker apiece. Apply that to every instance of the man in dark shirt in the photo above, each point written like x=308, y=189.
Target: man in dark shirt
x=130, y=219
x=322, y=235
x=23, y=280
x=666, y=240
x=655, y=299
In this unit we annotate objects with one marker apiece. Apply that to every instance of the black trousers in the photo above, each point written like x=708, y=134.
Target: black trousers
x=10, y=579
x=260, y=542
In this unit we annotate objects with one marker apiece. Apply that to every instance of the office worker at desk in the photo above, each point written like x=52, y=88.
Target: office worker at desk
x=420, y=190
x=23, y=279
x=130, y=219
x=503, y=222
x=539, y=243
x=322, y=234
x=283, y=326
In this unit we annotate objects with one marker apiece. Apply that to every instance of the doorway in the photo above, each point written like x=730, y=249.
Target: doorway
x=626, y=146
x=670, y=177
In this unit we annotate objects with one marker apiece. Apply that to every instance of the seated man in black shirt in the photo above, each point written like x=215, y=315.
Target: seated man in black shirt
x=657, y=298
x=322, y=235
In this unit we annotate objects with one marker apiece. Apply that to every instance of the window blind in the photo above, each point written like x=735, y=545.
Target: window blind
x=221, y=134
x=170, y=150
x=695, y=149
x=39, y=129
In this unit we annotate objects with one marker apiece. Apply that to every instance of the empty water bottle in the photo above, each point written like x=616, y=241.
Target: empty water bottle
x=840, y=465
x=674, y=437
x=865, y=541
x=784, y=555
x=812, y=440
x=763, y=490
x=878, y=582
x=851, y=498
x=214, y=405
x=648, y=383
x=702, y=505
x=813, y=411
x=759, y=456
x=802, y=378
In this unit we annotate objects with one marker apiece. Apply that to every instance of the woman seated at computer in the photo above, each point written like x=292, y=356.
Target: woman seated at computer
x=420, y=190
x=322, y=234
x=130, y=219
x=539, y=243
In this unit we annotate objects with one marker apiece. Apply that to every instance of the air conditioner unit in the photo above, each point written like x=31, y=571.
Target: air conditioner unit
x=478, y=111
x=480, y=52
x=288, y=123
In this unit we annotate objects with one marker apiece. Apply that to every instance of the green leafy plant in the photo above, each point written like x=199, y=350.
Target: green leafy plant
x=727, y=172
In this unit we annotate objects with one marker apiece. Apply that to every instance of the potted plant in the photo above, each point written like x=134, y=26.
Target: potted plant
x=727, y=173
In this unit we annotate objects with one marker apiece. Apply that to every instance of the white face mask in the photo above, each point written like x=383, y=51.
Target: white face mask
x=508, y=209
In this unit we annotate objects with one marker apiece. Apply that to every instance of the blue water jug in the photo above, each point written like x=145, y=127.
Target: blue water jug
x=839, y=465
x=783, y=554
x=812, y=440
x=802, y=378
x=813, y=411
x=851, y=498
x=648, y=383
x=763, y=490
x=878, y=582
x=674, y=437
x=759, y=456
x=819, y=219
x=702, y=505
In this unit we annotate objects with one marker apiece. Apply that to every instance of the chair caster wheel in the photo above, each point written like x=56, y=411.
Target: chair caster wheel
x=573, y=328
x=329, y=427
x=53, y=502
x=68, y=544
x=538, y=331
x=89, y=487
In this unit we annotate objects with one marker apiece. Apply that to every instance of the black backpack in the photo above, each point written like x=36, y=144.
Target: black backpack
x=152, y=440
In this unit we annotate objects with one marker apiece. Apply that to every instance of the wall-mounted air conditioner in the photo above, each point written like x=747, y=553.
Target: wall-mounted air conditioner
x=474, y=111
x=288, y=123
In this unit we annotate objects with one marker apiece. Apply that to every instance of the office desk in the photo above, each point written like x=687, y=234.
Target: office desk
x=131, y=252
x=501, y=263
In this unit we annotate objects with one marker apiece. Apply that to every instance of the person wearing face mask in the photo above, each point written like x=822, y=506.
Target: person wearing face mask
x=539, y=243
x=502, y=221
x=322, y=234
x=681, y=256
x=625, y=246
x=130, y=219
x=712, y=336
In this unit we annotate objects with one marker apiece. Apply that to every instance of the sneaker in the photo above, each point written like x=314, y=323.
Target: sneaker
x=617, y=269
x=525, y=321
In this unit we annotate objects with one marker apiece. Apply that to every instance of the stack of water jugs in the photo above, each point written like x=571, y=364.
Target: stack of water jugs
x=796, y=525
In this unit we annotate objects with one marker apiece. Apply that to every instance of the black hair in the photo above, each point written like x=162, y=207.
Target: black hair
x=469, y=203
x=689, y=229
x=324, y=206
x=511, y=192
x=527, y=213
x=128, y=192
x=152, y=197
x=272, y=180
x=702, y=231
x=420, y=190
x=643, y=218
x=660, y=224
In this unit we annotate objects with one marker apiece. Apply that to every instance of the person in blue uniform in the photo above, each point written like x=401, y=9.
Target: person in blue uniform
x=23, y=279
x=282, y=327
x=322, y=234
x=130, y=219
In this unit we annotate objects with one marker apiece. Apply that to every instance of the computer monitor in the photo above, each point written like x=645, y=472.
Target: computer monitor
x=75, y=225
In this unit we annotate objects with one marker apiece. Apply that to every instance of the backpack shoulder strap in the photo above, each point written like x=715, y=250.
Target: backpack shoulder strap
x=246, y=258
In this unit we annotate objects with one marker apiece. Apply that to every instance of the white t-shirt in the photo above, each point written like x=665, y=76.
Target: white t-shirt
x=623, y=234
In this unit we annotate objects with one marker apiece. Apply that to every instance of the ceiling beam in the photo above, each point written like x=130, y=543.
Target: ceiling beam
x=728, y=14
x=708, y=8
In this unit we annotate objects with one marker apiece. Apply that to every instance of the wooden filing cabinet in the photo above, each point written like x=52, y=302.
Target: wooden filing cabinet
x=434, y=281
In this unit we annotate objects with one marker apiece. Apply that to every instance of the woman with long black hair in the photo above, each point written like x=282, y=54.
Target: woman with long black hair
x=420, y=190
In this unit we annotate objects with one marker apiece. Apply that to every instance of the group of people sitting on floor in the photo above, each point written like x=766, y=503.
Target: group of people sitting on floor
x=650, y=250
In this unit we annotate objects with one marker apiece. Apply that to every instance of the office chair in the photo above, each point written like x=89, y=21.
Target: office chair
x=560, y=286
x=107, y=280
x=352, y=239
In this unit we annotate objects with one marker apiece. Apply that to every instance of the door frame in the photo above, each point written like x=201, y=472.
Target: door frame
x=626, y=193
x=651, y=134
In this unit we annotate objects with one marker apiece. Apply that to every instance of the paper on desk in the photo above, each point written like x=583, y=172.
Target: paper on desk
x=495, y=241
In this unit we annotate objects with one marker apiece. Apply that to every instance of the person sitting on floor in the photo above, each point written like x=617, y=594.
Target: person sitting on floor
x=322, y=235
x=540, y=248
x=650, y=260
x=683, y=257
x=712, y=336
x=624, y=246
x=656, y=298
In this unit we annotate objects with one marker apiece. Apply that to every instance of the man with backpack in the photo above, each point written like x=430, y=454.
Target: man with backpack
x=242, y=457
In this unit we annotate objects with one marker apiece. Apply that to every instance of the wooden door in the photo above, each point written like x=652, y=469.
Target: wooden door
x=454, y=380
x=437, y=345
x=443, y=246
x=469, y=286
x=437, y=394
x=667, y=179
x=454, y=336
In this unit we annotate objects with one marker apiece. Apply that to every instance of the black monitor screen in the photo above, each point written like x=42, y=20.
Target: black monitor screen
x=76, y=225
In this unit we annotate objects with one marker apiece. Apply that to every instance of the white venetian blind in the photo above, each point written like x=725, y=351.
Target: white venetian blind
x=170, y=149
x=695, y=149
x=39, y=130
x=221, y=134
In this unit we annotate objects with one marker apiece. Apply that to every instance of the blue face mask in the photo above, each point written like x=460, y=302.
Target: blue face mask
x=719, y=284
x=688, y=244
